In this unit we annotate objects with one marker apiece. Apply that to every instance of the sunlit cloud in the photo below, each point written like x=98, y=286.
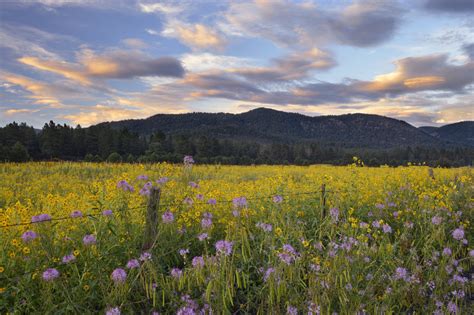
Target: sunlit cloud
x=197, y=36
x=117, y=64
x=13, y=111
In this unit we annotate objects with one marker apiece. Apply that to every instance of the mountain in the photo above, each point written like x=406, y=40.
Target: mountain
x=458, y=133
x=267, y=125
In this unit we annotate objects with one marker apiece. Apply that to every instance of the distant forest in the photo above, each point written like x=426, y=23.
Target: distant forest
x=20, y=142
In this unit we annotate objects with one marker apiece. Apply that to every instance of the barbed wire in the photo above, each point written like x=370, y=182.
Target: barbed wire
x=100, y=213
x=169, y=204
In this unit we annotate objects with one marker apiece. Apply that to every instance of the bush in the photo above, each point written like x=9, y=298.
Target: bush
x=114, y=157
x=18, y=153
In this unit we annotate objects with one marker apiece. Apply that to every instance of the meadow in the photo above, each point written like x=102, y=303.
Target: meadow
x=235, y=239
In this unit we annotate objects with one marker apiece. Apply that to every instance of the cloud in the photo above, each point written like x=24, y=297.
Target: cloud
x=39, y=92
x=99, y=113
x=197, y=36
x=117, y=64
x=160, y=8
x=432, y=72
x=411, y=75
x=295, y=66
x=13, y=111
x=135, y=43
x=469, y=50
x=197, y=62
x=19, y=38
x=452, y=6
x=305, y=24
x=152, y=32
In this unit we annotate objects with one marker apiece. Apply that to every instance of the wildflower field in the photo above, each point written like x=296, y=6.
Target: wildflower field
x=235, y=239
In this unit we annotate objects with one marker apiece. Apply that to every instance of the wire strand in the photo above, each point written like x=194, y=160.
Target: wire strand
x=169, y=204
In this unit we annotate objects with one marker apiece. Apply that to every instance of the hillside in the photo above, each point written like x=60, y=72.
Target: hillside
x=267, y=125
x=458, y=133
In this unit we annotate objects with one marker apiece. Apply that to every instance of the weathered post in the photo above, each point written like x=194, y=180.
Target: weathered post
x=151, y=224
x=431, y=173
x=323, y=200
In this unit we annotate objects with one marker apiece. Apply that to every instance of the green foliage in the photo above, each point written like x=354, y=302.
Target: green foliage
x=114, y=157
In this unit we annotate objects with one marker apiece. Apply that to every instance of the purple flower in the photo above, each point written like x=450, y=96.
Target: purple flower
x=41, y=218
x=76, y=214
x=239, y=202
x=144, y=192
x=447, y=251
x=188, y=160
x=68, y=258
x=277, y=199
x=291, y=310
x=107, y=213
x=436, y=220
x=376, y=224
x=113, y=311
x=379, y=206
x=50, y=274
x=89, y=239
x=289, y=249
x=387, y=228
x=167, y=217
x=28, y=236
x=119, y=275
x=188, y=201
x=471, y=253
x=198, y=261
x=203, y=236
x=193, y=185
x=200, y=196
x=286, y=258
x=176, y=273
x=314, y=309
x=133, y=263
x=186, y=310
x=334, y=212
x=183, y=252
x=206, y=223
x=401, y=273
x=458, y=234
x=142, y=177
x=224, y=247
x=452, y=308
x=145, y=256
x=288, y=255
x=125, y=186
x=212, y=201
x=268, y=273
x=162, y=180
x=264, y=226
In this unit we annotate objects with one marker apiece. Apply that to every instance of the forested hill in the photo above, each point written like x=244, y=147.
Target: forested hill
x=267, y=125
x=461, y=132
x=260, y=136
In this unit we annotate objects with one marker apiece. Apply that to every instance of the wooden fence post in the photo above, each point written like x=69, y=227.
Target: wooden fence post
x=431, y=173
x=323, y=200
x=151, y=224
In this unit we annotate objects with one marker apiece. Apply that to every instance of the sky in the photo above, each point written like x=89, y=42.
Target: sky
x=89, y=61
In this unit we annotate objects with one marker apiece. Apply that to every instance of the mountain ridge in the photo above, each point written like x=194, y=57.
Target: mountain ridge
x=269, y=125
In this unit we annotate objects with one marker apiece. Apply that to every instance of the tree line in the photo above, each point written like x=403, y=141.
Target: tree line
x=20, y=142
